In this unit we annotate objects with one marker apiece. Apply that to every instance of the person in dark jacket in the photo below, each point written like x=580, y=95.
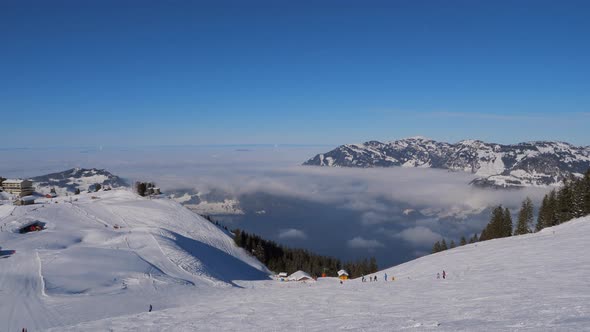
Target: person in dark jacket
x=150, y=308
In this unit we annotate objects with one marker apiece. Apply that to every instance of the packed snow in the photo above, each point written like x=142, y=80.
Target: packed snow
x=107, y=254
x=82, y=274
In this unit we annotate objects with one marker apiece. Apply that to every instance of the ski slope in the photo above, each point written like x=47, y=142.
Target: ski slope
x=107, y=254
x=536, y=282
x=81, y=274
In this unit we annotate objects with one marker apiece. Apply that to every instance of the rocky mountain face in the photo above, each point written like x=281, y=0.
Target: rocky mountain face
x=76, y=178
x=540, y=163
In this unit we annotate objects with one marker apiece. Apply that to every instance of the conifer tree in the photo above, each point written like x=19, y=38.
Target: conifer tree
x=507, y=223
x=373, y=265
x=463, y=241
x=483, y=236
x=544, y=218
x=565, y=203
x=525, y=218
x=436, y=248
x=578, y=198
x=443, y=245
x=586, y=194
x=552, y=209
x=496, y=226
x=452, y=245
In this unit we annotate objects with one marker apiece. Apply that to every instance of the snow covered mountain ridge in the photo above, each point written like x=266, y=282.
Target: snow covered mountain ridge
x=539, y=163
x=76, y=178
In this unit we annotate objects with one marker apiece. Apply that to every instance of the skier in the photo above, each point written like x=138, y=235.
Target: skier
x=375, y=278
x=150, y=308
x=363, y=278
x=385, y=277
x=444, y=274
x=438, y=275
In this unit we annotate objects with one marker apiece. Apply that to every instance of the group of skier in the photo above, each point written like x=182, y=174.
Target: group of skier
x=373, y=278
x=444, y=275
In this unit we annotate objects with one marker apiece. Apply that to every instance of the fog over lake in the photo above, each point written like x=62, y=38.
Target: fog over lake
x=394, y=214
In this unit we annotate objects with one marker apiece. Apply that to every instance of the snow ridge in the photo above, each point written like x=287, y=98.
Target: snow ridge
x=76, y=178
x=539, y=163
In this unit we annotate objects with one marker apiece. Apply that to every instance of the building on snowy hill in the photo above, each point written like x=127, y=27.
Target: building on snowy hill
x=343, y=275
x=300, y=276
x=18, y=187
x=27, y=200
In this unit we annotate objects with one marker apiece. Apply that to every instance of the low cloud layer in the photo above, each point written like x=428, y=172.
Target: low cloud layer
x=420, y=236
x=403, y=206
x=292, y=233
x=359, y=242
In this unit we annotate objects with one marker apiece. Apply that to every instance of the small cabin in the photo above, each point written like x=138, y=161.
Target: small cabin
x=300, y=276
x=342, y=275
x=27, y=200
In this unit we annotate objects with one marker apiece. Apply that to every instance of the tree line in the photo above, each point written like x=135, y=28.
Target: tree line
x=570, y=201
x=279, y=258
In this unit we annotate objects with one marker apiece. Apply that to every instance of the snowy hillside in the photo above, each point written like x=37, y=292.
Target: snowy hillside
x=76, y=178
x=107, y=254
x=496, y=165
x=536, y=282
x=207, y=204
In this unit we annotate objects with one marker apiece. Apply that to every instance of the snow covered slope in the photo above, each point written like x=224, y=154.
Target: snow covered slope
x=108, y=254
x=496, y=165
x=536, y=282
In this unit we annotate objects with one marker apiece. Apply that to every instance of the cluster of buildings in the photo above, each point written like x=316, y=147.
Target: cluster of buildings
x=22, y=189
x=303, y=276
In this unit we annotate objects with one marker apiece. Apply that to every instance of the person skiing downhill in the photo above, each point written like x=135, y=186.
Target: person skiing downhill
x=444, y=274
x=150, y=308
x=438, y=275
x=385, y=277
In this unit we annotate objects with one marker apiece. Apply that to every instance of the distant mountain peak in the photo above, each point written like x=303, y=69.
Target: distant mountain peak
x=537, y=163
x=76, y=178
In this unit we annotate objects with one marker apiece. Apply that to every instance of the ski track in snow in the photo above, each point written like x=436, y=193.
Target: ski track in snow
x=81, y=274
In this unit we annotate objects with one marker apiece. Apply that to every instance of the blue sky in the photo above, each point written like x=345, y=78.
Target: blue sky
x=131, y=73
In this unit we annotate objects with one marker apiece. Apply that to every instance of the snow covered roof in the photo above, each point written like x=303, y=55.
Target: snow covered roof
x=299, y=275
x=15, y=181
x=342, y=273
x=283, y=274
x=27, y=198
